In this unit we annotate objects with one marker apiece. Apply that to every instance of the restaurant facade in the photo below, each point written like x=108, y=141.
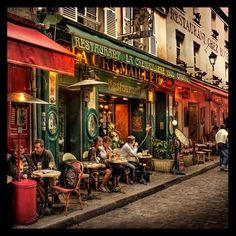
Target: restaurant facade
x=143, y=90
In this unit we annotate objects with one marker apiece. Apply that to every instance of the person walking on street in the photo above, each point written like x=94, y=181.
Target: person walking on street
x=222, y=147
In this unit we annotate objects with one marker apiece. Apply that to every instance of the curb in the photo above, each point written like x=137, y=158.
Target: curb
x=76, y=218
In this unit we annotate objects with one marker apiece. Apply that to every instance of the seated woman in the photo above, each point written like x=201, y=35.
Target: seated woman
x=26, y=164
x=96, y=154
x=107, y=153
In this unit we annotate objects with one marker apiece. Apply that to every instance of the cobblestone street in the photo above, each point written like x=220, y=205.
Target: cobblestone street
x=200, y=202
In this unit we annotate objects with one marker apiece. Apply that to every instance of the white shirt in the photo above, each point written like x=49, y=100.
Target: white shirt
x=128, y=150
x=221, y=136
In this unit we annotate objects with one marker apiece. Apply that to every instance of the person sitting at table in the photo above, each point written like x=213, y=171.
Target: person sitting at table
x=129, y=149
x=95, y=154
x=129, y=152
x=41, y=158
x=26, y=165
x=107, y=153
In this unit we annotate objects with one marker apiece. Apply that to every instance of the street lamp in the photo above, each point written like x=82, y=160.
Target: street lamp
x=212, y=59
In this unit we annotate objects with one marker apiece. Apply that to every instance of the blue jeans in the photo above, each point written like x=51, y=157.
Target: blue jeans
x=224, y=155
x=132, y=170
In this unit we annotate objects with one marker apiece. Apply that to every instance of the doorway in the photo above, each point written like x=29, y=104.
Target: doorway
x=193, y=121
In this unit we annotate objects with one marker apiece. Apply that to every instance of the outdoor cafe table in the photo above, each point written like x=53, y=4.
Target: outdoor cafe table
x=145, y=159
x=91, y=167
x=200, y=146
x=46, y=175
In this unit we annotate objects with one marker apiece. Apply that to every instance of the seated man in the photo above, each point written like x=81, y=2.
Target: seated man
x=129, y=152
x=129, y=149
x=41, y=158
x=95, y=154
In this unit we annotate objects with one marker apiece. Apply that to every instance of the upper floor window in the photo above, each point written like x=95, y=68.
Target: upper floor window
x=110, y=21
x=179, y=48
x=196, y=49
x=196, y=15
x=152, y=39
x=87, y=16
x=127, y=23
x=226, y=36
x=213, y=25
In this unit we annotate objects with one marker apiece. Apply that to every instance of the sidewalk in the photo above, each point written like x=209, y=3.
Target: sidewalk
x=110, y=201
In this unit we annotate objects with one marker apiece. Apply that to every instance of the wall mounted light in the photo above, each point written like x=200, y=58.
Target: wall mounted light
x=212, y=59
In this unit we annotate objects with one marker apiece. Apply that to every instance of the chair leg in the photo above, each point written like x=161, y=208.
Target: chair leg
x=96, y=182
x=127, y=178
x=67, y=197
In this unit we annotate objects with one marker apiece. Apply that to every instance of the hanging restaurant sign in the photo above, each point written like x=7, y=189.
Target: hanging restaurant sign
x=125, y=69
x=118, y=58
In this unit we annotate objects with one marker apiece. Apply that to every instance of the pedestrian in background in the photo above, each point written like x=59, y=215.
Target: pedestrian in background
x=222, y=147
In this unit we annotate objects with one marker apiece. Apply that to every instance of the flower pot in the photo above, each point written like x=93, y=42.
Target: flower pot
x=162, y=165
x=188, y=160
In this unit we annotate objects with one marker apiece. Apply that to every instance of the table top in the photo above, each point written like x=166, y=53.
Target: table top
x=145, y=156
x=210, y=144
x=92, y=165
x=116, y=161
x=45, y=173
x=200, y=145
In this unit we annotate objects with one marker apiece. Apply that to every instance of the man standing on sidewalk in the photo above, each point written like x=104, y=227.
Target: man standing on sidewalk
x=222, y=147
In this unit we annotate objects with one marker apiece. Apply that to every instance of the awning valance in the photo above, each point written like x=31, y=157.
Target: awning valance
x=29, y=47
x=210, y=88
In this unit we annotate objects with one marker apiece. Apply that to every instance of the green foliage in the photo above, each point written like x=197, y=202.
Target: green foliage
x=113, y=133
x=162, y=149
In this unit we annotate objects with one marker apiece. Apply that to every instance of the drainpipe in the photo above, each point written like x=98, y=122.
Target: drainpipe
x=34, y=111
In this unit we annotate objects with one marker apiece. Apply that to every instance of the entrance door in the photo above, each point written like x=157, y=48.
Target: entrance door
x=122, y=120
x=193, y=121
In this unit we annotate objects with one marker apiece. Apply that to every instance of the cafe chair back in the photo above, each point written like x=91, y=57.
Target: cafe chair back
x=85, y=156
x=66, y=192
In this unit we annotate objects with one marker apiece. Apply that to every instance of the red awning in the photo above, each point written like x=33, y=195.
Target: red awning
x=210, y=88
x=29, y=47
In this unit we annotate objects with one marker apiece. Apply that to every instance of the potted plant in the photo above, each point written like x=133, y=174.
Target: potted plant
x=163, y=152
x=187, y=157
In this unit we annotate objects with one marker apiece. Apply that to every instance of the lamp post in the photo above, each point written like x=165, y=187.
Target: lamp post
x=175, y=169
x=212, y=59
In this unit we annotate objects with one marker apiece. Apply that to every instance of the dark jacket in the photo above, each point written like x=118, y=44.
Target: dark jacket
x=45, y=158
x=12, y=166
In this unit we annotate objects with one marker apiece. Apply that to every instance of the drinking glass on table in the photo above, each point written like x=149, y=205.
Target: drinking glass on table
x=51, y=165
x=39, y=165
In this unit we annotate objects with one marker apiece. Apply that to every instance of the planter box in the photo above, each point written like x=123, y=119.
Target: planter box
x=188, y=160
x=162, y=165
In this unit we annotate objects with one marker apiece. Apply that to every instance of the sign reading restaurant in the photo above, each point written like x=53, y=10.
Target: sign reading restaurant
x=121, y=62
x=192, y=28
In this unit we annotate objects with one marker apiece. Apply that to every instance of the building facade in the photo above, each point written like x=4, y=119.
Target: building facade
x=155, y=62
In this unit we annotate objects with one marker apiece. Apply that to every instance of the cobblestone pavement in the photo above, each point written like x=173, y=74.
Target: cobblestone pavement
x=200, y=202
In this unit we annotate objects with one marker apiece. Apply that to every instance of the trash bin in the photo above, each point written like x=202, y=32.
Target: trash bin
x=24, y=201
